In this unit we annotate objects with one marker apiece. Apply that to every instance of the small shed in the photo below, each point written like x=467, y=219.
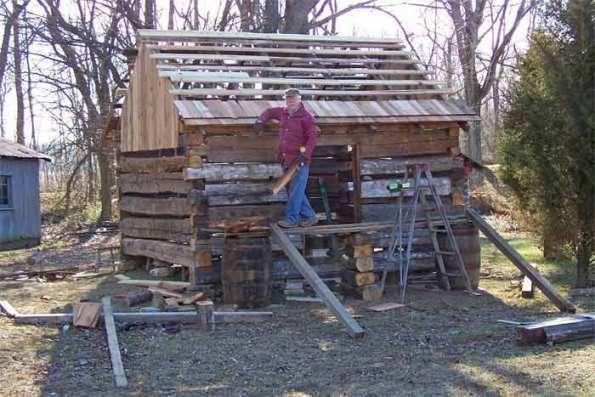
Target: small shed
x=20, y=219
x=188, y=156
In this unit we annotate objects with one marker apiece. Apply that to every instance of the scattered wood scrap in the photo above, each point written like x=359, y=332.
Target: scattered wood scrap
x=386, y=306
x=558, y=330
x=135, y=297
x=7, y=308
x=112, y=341
x=527, y=289
x=199, y=296
x=86, y=314
x=166, y=292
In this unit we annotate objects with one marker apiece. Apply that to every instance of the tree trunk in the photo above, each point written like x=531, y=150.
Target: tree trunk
x=170, y=19
x=150, y=14
x=106, y=180
x=18, y=80
x=271, y=16
x=30, y=88
x=195, y=14
x=296, y=16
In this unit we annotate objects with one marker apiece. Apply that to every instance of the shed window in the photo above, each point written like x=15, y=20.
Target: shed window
x=5, y=191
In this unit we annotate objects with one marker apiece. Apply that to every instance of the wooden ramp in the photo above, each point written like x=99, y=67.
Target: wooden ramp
x=541, y=282
x=323, y=292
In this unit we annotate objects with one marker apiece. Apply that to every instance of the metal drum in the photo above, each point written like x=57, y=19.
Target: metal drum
x=246, y=271
x=467, y=237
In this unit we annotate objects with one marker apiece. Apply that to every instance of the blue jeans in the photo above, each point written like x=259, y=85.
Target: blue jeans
x=298, y=207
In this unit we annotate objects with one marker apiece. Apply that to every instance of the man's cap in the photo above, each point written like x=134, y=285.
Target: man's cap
x=291, y=92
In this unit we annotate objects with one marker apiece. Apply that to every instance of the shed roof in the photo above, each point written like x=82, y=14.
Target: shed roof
x=11, y=149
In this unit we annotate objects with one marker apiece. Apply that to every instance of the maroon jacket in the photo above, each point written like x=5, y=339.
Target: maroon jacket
x=298, y=129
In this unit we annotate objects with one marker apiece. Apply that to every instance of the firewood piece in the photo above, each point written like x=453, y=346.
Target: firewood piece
x=285, y=178
x=369, y=292
x=137, y=297
x=8, y=309
x=386, y=306
x=112, y=340
x=206, y=314
x=188, y=300
x=361, y=264
x=359, y=251
x=86, y=314
x=358, y=279
x=528, y=288
x=160, y=272
x=166, y=292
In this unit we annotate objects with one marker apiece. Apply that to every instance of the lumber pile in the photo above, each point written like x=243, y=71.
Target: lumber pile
x=561, y=329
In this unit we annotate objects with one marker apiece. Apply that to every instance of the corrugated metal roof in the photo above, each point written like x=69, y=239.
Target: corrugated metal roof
x=325, y=111
x=16, y=150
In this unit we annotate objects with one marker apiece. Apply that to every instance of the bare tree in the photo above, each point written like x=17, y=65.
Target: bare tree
x=11, y=16
x=18, y=78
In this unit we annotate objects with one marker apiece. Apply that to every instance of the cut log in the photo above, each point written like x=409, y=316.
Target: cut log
x=188, y=300
x=136, y=297
x=165, y=292
x=86, y=314
x=542, y=283
x=527, y=288
x=112, y=341
x=362, y=264
x=386, y=306
x=212, y=172
x=154, y=183
x=358, y=279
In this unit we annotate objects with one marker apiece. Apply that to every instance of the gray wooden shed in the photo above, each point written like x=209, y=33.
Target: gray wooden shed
x=20, y=219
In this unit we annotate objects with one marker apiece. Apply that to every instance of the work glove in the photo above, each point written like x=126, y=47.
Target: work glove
x=258, y=127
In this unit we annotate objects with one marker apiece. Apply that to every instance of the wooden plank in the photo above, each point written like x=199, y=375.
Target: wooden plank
x=154, y=183
x=242, y=317
x=296, y=69
x=542, y=283
x=112, y=340
x=199, y=77
x=527, y=288
x=438, y=163
x=275, y=50
x=193, y=35
x=283, y=58
x=165, y=292
x=193, y=92
x=8, y=309
x=386, y=306
x=173, y=206
x=354, y=329
x=164, y=251
x=151, y=164
x=156, y=283
x=230, y=172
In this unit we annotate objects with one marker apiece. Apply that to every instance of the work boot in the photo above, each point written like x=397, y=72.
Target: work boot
x=284, y=223
x=309, y=222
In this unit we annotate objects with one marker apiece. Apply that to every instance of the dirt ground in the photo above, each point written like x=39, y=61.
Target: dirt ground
x=442, y=343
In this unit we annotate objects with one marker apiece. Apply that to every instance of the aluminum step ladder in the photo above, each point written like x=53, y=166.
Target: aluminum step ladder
x=402, y=242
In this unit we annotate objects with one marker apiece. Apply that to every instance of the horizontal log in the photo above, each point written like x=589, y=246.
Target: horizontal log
x=275, y=50
x=270, y=211
x=297, y=69
x=435, y=146
x=154, y=183
x=242, y=193
x=377, y=188
x=228, y=172
x=437, y=163
x=164, y=251
x=173, y=206
x=174, y=229
x=197, y=92
x=151, y=164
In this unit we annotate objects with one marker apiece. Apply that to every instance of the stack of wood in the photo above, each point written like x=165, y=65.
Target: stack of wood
x=358, y=277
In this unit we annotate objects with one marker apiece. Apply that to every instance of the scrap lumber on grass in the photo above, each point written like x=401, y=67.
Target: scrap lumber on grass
x=86, y=314
x=8, y=309
x=542, y=283
x=558, y=330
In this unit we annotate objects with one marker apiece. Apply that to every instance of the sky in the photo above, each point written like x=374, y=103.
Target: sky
x=364, y=23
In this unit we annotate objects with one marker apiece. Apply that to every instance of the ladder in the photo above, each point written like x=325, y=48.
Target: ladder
x=403, y=231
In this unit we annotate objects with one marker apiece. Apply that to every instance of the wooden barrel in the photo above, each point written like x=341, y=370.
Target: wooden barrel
x=467, y=237
x=246, y=271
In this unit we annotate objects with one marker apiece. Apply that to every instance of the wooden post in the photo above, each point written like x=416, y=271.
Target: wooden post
x=323, y=292
x=112, y=341
x=357, y=185
x=542, y=283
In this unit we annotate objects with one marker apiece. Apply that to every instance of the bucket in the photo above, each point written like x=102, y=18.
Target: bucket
x=246, y=271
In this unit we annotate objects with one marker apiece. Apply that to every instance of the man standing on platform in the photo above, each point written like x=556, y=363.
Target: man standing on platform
x=298, y=133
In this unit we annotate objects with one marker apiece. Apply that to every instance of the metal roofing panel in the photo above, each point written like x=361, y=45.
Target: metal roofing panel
x=16, y=150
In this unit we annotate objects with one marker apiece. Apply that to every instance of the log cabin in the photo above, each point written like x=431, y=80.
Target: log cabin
x=187, y=156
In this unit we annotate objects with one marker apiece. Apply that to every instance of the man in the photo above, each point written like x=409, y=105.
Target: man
x=297, y=130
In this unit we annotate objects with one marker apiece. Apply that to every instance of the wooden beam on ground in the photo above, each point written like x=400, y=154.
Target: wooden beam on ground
x=112, y=341
x=8, y=309
x=156, y=283
x=354, y=329
x=542, y=283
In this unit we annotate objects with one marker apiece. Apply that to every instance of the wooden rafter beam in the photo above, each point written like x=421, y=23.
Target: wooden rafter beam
x=305, y=92
x=269, y=58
